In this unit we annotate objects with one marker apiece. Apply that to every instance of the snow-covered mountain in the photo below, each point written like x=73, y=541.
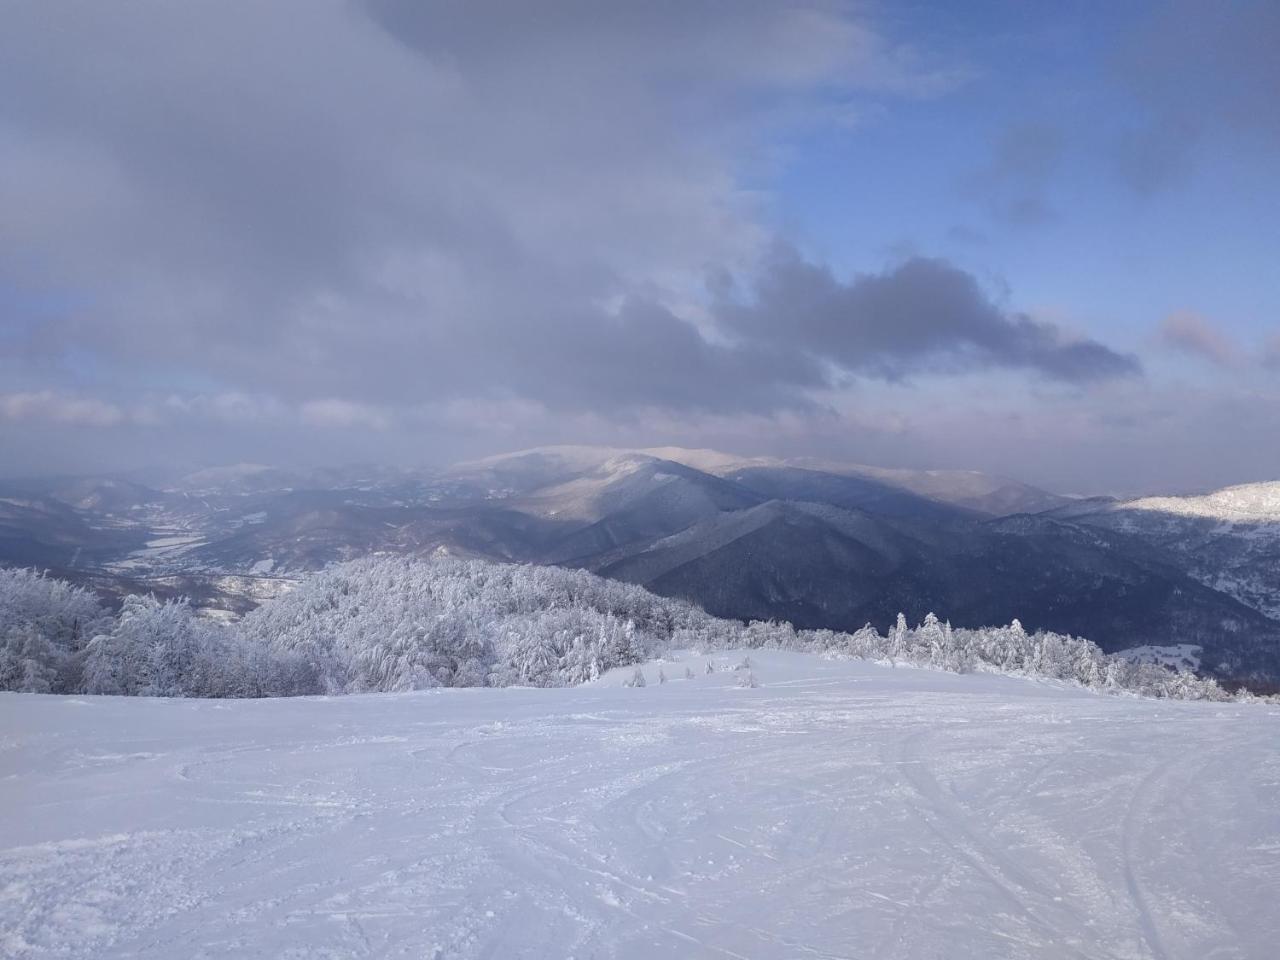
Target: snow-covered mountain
x=970, y=490
x=1228, y=540
x=1247, y=503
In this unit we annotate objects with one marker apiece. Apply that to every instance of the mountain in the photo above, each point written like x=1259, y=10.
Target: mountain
x=811, y=564
x=817, y=542
x=1228, y=540
x=628, y=500
x=968, y=490
x=822, y=566
x=45, y=531
x=851, y=491
x=1249, y=503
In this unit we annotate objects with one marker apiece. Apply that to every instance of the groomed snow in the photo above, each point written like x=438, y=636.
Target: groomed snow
x=840, y=809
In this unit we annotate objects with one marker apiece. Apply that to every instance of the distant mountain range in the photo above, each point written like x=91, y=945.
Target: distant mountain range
x=818, y=543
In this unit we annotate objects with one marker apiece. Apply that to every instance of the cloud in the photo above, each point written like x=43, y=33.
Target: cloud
x=409, y=222
x=1192, y=334
x=230, y=408
x=404, y=203
x=49, y=407
x=1014, y=184
x=923, y=316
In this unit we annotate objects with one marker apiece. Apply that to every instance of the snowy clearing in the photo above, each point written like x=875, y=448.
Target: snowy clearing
x=840, y=809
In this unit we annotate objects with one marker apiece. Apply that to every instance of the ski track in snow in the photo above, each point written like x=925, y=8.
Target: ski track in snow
x=840, y=810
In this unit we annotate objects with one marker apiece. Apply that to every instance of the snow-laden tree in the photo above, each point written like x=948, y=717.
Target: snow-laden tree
x=581, y=662
x=900, y=640
x=535, y=657
x=396, y=623
x=153, y=649
x=44, y=626
x=30, y=661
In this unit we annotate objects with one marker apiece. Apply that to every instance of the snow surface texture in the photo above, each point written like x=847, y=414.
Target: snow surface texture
x=838, y=809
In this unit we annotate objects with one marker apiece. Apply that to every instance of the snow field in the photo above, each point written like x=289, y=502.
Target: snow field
x=839, y=809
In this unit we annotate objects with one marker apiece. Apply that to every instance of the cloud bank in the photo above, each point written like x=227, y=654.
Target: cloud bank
x=397, y=203
x=243, y=225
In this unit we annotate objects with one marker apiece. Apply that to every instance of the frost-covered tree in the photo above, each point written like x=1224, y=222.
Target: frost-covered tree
x=899, y=640
x=536, y=657
x=30, y=661
x=581, y=661
x=44, y=626
x=161, y=649
x=473, y=624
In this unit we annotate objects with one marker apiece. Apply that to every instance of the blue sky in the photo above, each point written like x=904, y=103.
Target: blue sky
x=927, y=176
x=1029, y=238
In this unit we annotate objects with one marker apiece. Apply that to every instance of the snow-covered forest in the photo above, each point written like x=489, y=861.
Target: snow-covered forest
x=395, y=624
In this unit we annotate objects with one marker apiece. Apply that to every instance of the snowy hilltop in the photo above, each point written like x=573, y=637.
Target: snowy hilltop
x=1246, y=503
x=395, y=624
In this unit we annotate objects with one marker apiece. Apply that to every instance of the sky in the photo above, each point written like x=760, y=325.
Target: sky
x=1034, y=239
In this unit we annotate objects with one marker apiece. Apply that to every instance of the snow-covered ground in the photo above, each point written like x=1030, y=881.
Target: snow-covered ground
x=1245, y=503
x=840, y=809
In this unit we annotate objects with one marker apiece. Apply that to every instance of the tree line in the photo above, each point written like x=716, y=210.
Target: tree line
x=395, y=623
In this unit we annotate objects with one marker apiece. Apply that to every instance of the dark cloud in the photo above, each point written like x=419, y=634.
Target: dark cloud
x=923, y=316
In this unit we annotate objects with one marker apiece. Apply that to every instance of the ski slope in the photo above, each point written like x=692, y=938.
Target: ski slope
x=840, y=809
